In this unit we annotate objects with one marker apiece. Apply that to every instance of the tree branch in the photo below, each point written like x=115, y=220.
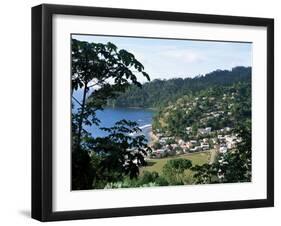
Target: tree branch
x=77, y=101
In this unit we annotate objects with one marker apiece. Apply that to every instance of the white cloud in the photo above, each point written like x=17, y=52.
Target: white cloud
x=185, y=55
x=174, y=58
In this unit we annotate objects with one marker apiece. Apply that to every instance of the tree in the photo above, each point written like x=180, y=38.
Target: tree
x=148, y=177
x=101, y=72
x=118, y=154
x=174, y=169
x=232, y=166
x=204, y=174
x=152, y=95
x=236, y=166
x=157, y=145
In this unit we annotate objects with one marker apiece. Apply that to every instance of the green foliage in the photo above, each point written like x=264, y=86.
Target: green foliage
x=102, y=72
x=213, y=107
x=161, y=181
x=110, y=158
x=82, y=172
x=231, y=167
x=236, y=166
x=94, y=65
x=157, y=145
x=205, y=174
x=174, y=169
x=148, y=179
x=170, y=141
x=120, y=154
x=105, y=75
x=160, y=93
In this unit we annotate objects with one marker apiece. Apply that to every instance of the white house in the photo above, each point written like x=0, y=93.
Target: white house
x=230, y=141
x=221, y=138
x=188, y=130
x=181, y=142
x=205, y=140
x=205, y=146
x=223, y=149
x=206, y=130
x=193, y=141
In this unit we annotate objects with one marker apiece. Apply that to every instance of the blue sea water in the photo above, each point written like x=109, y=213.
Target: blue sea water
x=109, y=116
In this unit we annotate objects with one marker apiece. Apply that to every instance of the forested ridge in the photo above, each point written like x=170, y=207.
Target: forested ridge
x=219, y=102
x=159, y=93
x=217, y=108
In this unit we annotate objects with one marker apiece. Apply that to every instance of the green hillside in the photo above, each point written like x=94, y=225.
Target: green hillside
x=159, y=93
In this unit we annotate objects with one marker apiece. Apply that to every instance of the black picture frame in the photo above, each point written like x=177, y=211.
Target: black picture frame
x=42, y=111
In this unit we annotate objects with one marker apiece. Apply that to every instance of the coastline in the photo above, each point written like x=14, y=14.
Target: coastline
x=150, y=108
x=131, y=107
x=153, y=138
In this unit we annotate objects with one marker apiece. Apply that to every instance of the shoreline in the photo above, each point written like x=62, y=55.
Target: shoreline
x=153, y=138
x=146, y=108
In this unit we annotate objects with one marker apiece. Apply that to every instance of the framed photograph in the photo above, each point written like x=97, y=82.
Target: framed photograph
x=145, y=112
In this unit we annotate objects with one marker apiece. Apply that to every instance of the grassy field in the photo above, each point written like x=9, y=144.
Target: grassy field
x=196, y=158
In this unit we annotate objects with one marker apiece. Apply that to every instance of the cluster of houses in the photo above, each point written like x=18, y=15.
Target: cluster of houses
x=205, y=138
x=223, y=141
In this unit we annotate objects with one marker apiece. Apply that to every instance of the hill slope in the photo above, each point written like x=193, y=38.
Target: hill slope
x=217, y=108
x=162, y=92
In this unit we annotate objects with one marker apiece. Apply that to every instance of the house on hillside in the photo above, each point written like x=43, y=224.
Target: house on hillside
x=163, y=140
x=188, y=130
x=204, y=131
x=231, y=141
x=181, y=142
x=195, y=149
x=214, y=140
x=205, y=147
x=160, y=153
x=191, y=143
x=221, y=138
x=223, y=150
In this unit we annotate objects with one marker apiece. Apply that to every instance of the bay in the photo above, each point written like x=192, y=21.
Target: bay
x=109, y=116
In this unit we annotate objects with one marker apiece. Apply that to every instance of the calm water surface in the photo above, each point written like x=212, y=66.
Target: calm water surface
x=109, y=116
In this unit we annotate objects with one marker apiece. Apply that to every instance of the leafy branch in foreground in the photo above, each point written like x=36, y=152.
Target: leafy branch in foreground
x=101, y=72
x=118, y=154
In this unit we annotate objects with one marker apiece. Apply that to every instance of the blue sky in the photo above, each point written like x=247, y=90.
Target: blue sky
x=166, y=58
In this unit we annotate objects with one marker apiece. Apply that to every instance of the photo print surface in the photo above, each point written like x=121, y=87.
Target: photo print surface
x=152, y=112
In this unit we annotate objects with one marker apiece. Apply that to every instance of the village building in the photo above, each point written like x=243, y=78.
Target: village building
x=205, y=146
x=223, y=150
x=188, y=130
x=204, y=131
